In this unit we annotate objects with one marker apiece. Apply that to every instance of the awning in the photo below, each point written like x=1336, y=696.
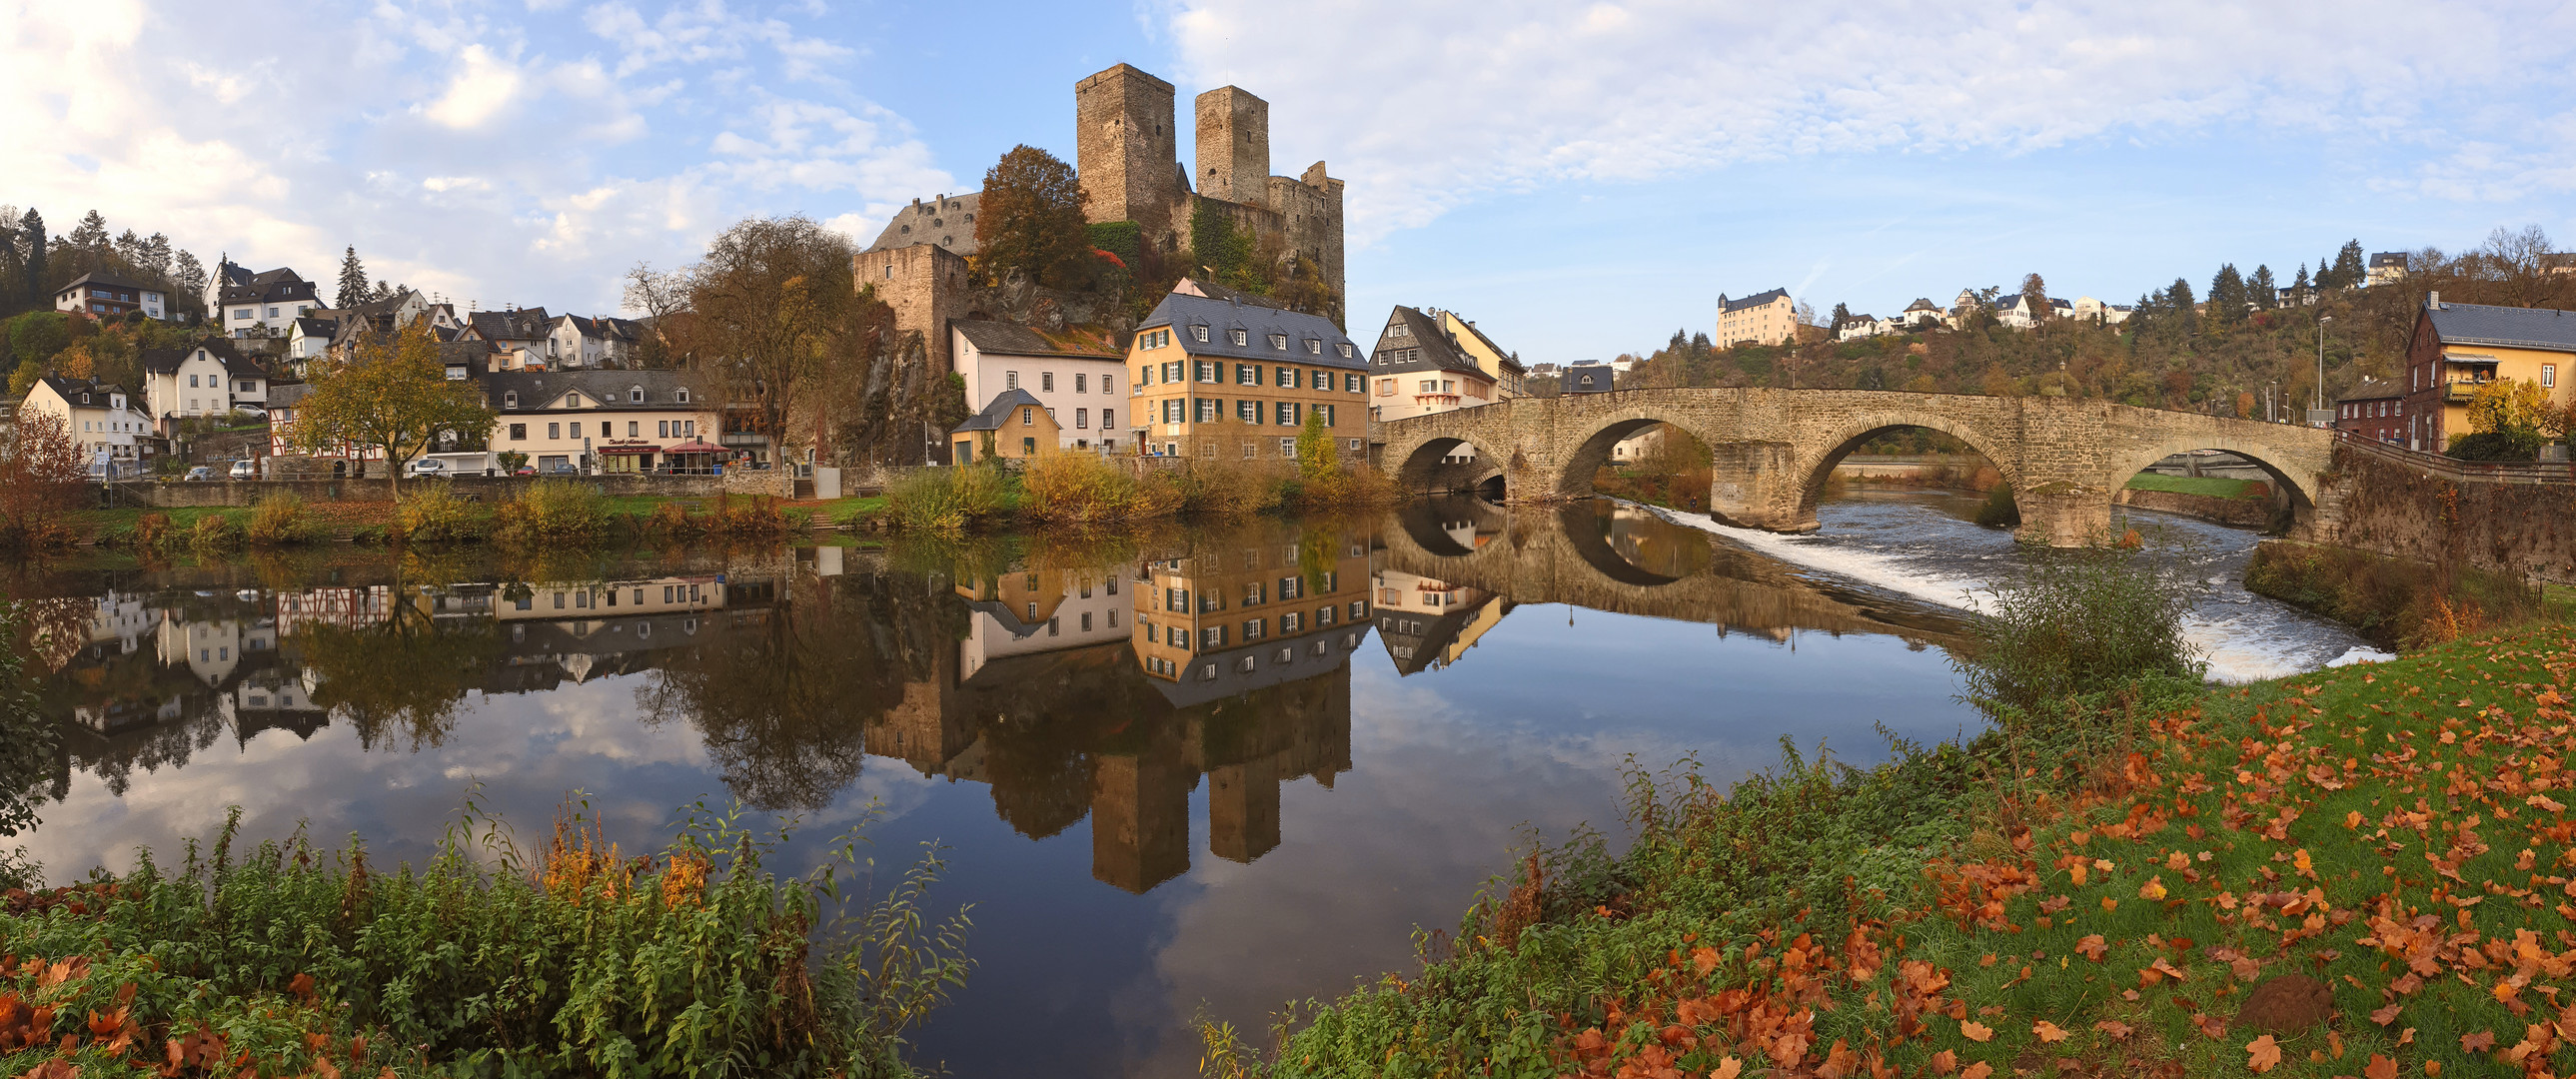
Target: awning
x=630, y=449
x=2468, y=357
x=694, y=447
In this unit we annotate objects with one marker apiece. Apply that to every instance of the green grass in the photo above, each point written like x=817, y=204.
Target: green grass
x=1962, y=859
x=2212, y=486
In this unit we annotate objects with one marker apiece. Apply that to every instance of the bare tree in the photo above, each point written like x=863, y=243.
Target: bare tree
x=2517, y=262
x=770, y=308
x=662, y=298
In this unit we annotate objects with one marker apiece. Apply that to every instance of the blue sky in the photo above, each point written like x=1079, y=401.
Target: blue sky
x=1580, y=178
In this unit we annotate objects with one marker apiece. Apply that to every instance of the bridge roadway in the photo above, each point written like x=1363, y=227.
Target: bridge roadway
x=1772, y=450
x=1558, y=554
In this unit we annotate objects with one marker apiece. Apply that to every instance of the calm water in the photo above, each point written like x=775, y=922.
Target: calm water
x=1207, y=771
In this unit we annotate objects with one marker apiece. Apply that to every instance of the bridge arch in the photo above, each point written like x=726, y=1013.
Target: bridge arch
x=1839, y=442
x=1434, y=465
x=1626, y=420
x=2277, y=462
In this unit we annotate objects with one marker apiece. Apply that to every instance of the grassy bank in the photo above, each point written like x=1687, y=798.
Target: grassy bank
x=2154, y=879
x=554, y=510
x=2210, y=486
x=1082, y=492
x=2394, y=603
x=289, y=959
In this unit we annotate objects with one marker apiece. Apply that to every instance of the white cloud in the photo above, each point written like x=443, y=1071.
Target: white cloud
x=486, y=85
x=1425, y=106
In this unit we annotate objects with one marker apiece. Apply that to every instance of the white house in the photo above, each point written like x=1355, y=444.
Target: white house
x=1081, y=380
x=205, y=379
x=2088, y=309
x=103, y=296
x=271, y=302
x=2017, y=312
x=574, y=341
x=111, y=433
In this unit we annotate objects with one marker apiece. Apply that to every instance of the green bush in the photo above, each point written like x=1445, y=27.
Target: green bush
x=280, y=518
x=950, y=499
x=431, y=512
x=2075, y=622
x=1999, y=510
x=215, y=533
x=2393, y=602
x=553, y=511
x=2496, y=446
x=490, y=960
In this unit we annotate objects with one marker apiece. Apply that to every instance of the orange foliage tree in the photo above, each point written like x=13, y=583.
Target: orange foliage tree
x=41, y=473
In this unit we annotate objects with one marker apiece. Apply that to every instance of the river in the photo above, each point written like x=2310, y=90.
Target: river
x=1201, y=772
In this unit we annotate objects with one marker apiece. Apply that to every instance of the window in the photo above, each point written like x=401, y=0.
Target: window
x=1345, y=350
x=1386, y=387
x=576, y=430
x=1286, y=377
x=2548, y=374
x=1046, y=381
x=1240, y=337
x=1081, y=383
x=682, y=396
x=1255, y=629
x=192, y=382
x=1314, y=346
x=1247, y=374
x=1286, y=413
x=635, y=395
x=1353, y=383
x=1172, y=410
x=1355, y=445
x=1325, y=411
x=1287, y=447
x=1199, y=332
x=1207, y=409
x=1209, y=371
x=518, y=432
x=1249, y=411
x=662, y=429
x=1212, y=637
x=1172, y=371
x=1028, y=416
x=1108, y=418
x=554, y=430
x=634, y=429
x=572, y=400
x=1010, y=380
x=1279, y=341
x=242, y=313
x=1081, y=418
x=272, y=312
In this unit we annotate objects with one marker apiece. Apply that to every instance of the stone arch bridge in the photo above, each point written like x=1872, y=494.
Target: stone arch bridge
x=1772, y=450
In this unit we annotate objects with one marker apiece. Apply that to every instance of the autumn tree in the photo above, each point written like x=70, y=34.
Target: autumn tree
x=1030, y=219
x=769, y=309
x=39, y=475
x=2034, y=295
x=393, y=396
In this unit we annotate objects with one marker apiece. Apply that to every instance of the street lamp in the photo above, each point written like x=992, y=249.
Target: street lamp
x=2320, y=404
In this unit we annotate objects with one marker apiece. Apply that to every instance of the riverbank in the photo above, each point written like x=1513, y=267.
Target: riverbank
x=2394, y=602
x=299, y=522
x=1081, y=493
x=2271, y=877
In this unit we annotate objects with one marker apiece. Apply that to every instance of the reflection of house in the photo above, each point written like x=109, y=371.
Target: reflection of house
x=1028, y=611
x=1427, y=624
x=352, y=607
x=211, y=650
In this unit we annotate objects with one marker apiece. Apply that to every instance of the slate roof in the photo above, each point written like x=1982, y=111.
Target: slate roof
x=1181, y=311
x=948, y=220
x=1587, y=378
x=71, y=388
x=1013, y=339
x=1210, y=289
x=2511, y=327
x=1436, y=352
x=318, y=327
x=2389, y=258
x=162, y=361
x=1922, y=304
x=2372, y=389
x=1725, y=305
x=105, y=281
x=1275, y=662
x=289, y=395
x=537, y=388
x=272, y=285
x=524, y=324
x=999, y=412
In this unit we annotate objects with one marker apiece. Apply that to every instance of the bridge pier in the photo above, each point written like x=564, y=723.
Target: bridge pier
x=2062, y=514
x=1759, y=485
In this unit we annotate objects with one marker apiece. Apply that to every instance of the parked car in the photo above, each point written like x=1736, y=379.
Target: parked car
x=245, y=469
x=564, y=468
x=201, y=473
x=525, y=470
x=426, y=466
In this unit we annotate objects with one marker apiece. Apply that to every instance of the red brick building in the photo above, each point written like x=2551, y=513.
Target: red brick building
x=2375, y=408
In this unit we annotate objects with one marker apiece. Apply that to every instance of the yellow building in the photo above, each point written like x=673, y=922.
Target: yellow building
x=1502, y=367
x=1227, y=377
x=1014, y=427
x=2458, y=347
x=1252, y=615
x=1764, y=318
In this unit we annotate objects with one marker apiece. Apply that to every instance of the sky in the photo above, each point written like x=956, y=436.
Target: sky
x=1581, y=179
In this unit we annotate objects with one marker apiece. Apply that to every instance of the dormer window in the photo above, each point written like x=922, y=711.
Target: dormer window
x=682, y=397
x=510, y=399
x=1239, y=337
x=635, y=395
x=1346, y=351
x=1314, y=346
x=1279, y=341
x=572, y=400
x=1398, y=330
x=1199, y=332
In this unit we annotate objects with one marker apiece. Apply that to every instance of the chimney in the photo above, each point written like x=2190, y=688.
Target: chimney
x=2433, y=300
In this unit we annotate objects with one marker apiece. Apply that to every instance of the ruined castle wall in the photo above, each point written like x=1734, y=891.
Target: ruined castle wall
x=1126, y=146
x=924, y=283
x=1234, y=146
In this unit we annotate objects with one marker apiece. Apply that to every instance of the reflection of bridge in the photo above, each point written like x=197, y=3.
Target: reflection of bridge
x=1773, y=449
x=1562, y=555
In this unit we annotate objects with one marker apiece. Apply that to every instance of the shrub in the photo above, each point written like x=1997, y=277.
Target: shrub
x=2074, y=623
x=1078, y=490
x=431, y=512
x=949, y=499
x=280, y=518
x=2393, y=602
x=215, y=533
x=553, y=510
x=1208, y=488
x=669, y=519
x=748, y=517
x=153, y=531
x=1999, y=510
x=2496, y=446
x=694, y=960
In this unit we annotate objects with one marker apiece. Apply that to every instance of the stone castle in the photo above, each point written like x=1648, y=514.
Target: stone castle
x=1128, y=160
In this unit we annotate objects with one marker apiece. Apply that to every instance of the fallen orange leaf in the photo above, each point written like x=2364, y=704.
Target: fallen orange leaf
x=2477, y=1043
x=1944, y=1062
x=2092, y=947
x=2380, y=1067
x=2048, y=1031
x=1975, y=1031
x=2117, y=1030
x=2262, y=1054
x=1978, y=1070
x=1728, y=1068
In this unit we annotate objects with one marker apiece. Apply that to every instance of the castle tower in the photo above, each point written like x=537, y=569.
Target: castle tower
x=1127, y=148
x=1234, y=146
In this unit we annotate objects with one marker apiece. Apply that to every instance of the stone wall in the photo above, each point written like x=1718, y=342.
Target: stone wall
x=2525, y=530
x=2239, y=512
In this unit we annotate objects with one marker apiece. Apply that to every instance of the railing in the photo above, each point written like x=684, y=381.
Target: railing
x=2451, y=468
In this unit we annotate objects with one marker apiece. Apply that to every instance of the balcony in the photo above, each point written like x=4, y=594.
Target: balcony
x=742, y=438
x=2459, y=393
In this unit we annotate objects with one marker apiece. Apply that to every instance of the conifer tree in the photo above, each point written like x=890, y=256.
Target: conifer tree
x=156, y=255
x=2349, y=271
x=2227, y=295
x=129, y=247
x=1842, y=317
x=353, y=280
x=2300, y=286
x=188, y=273
x=31, y=228
x=2180, y=298
x=2266, y=292
x=90, y=234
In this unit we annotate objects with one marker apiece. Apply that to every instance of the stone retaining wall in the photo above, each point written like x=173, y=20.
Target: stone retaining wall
x=2240, y=512
x=2522, y=529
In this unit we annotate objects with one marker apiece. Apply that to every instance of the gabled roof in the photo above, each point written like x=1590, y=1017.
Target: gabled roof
x=316, y=327
x=948, y=221
x=104, y=281
x=278, y=284
x=1210, y=289
x=1424, y=337
x=1922, y=304
x=1725, y=305
x=524, y=324
x=2389, y=258
x=999, y=412
x=288, y=396
x=538, y=390
x=1587, y=378
x=2372, y=389
x=1012, y=339
x=1509, y=360
x=2510, y=327
x=162, y=361
x=70, y=389
x=1181, y=310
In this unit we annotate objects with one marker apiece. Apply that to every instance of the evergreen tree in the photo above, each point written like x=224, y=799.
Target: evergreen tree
x=1842, y=317
x=1699, y=343
x=188, y=274
x=2301, y=286
x=2227, y=295
x=1681, y=339
x=2179, y=298
x=156, y=255
x=2349, y=271
x=129, y=247
x=2266, y=292
x=32, y=229
x=90, y=234
x=353, y=280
